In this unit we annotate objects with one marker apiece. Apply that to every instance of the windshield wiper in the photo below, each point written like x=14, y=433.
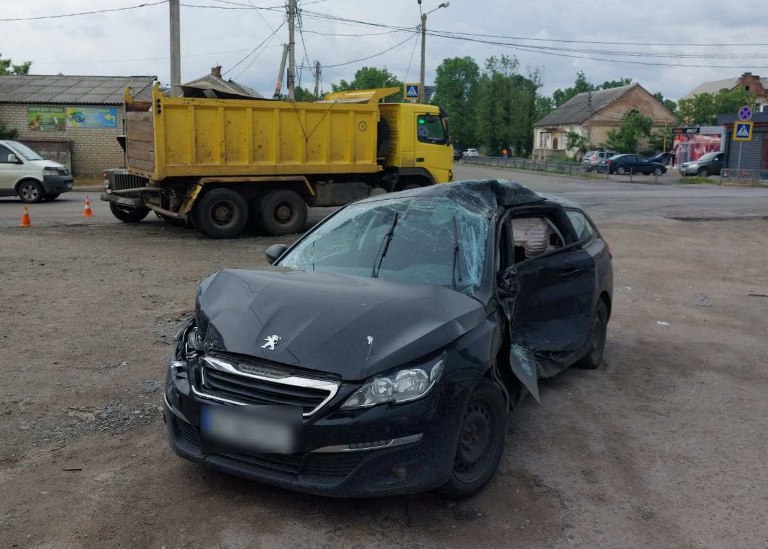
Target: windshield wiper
x=384, y=247
x=454, y=276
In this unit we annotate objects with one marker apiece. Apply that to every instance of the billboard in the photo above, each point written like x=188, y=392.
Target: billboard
x=92, y=117
x=45, y=118
x=689, y=144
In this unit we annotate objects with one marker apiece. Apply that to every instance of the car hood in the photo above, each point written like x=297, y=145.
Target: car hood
x=351, y=326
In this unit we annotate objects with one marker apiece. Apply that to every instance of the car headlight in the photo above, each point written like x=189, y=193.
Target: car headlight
x=50, y=171
x=396, y=387
x=693, y=165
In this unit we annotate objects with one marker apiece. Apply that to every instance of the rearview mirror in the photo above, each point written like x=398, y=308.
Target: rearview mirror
x=506, y=282
x=274, y=252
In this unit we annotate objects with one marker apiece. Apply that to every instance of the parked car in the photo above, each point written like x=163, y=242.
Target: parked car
x=385, y=350
x=457, y=154
x=623, y=164
x=662, y=158
x=708, y=164
x=25, y=174
x=471, y=153
x=592, y=159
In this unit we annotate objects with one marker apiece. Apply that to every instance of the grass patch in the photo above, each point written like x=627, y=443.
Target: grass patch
x=698, y=180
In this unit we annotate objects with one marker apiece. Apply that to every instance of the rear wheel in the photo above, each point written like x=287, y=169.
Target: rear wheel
x=599, y=330
x=221, y=213
x=283, y=212
x=481, y=441
x=31, y=191
x=128, y=214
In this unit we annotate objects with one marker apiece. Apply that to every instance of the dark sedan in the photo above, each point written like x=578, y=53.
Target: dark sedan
x=385, y=349
x=625, y=164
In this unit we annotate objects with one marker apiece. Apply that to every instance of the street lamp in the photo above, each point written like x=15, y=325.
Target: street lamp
x=423, y=46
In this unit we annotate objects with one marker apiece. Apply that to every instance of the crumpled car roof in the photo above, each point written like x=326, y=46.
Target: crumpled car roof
x=481, y=195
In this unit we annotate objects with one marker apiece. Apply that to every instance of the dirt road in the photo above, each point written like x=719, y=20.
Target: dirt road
x=664, y=446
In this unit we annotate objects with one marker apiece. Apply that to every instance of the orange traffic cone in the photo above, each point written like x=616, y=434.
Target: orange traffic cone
x=25, y=221
x=87, y=210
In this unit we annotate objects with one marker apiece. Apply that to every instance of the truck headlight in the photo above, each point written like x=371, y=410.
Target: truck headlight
x=400, y=386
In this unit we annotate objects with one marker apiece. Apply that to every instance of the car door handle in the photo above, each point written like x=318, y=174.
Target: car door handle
x=569, y=273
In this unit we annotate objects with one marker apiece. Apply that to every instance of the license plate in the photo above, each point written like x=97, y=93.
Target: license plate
x=254, y=429
x=125, y=201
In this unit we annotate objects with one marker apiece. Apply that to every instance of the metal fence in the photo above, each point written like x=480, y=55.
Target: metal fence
x=742, y=175
x=567, y=168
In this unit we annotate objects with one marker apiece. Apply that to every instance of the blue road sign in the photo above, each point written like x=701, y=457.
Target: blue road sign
x=412, y=91
x=745, y=113
x=742, y=131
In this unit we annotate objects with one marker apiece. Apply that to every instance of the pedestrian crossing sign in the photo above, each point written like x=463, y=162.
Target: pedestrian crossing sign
x=742, y=131
x=411, y=90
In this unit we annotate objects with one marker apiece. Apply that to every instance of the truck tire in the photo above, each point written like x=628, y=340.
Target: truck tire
x=221, y=213
x=128, y=214
x=282, y=212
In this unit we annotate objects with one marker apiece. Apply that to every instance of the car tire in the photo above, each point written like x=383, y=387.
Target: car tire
x=621, y=170
x=481, y=441
x=31, y=192
x=282, y=212
x=128, y=214
x=658, y=171
x=597, y=338
x=703, y=172
x=221, y=213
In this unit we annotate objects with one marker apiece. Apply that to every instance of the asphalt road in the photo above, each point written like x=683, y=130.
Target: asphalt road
x=604, y=199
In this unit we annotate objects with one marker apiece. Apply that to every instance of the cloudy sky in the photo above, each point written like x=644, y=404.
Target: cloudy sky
x=669, y=46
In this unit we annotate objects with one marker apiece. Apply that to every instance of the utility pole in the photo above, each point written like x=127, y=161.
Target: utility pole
x=317, y=79
x=423, y=55
x=175, y=48
x=291, y=49
x=280, y=74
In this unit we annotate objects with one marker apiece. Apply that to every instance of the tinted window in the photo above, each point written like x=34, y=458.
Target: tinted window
x=4, y=152
x=26, y=152
x=581, y=225
x=430, y=129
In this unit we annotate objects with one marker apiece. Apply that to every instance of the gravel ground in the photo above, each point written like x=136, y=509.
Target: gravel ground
x=663, y=446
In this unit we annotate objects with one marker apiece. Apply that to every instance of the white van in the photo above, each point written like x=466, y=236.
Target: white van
x=25, y=174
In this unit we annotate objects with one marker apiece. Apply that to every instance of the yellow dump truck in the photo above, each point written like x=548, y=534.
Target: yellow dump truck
x=223, y=164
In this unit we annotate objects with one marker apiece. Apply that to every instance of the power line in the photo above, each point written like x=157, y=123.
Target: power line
x=370, y=56
x=76, y=14
x=262, y=43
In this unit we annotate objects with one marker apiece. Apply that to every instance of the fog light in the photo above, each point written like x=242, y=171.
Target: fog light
x=399, y=471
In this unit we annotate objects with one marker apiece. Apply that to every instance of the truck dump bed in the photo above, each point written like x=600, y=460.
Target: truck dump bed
x=194, y=137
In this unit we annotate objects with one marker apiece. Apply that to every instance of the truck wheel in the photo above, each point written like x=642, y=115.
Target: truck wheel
x=283, y=212
x=221, y=213
x=31, y=191
x=128, y=214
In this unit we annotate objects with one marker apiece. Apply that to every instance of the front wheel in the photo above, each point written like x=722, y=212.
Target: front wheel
x=621, y=170
x=481, y=441
x=658, y=171
x=704, y=172
x=128, y=214
x=221, y=213
x=283, y=212
x=31, y=191
x=598, y=334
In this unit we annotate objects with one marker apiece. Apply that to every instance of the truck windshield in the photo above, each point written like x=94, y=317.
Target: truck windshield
x=411, y=240
x=430, y=129
x=25, y=151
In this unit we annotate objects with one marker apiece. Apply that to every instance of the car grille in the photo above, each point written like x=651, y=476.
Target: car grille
x=126, y=181
x=255, y=382
x=321, y=464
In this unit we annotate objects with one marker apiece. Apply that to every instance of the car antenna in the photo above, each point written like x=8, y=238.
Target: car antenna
x=384, y=247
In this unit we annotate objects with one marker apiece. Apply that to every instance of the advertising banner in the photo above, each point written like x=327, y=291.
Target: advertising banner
x=92, y=117
x=45, y=118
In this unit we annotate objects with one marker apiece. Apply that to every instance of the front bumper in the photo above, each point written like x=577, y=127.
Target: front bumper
x=57, y=184
x=689, y=170
x=135, y=202
x=428, y=427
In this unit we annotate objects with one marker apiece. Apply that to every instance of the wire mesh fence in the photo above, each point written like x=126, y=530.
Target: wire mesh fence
x=743, y=175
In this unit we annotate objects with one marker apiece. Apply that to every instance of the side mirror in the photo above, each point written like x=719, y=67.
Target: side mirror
x=274, y=252
x=506, y=282
x=13, y=159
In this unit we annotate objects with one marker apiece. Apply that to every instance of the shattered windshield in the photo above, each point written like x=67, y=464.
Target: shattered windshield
x=425, y=241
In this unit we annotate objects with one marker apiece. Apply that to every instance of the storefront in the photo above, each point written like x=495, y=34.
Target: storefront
x=749, y=157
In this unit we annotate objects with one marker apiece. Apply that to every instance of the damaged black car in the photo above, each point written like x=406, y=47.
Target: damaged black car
x=384, y=351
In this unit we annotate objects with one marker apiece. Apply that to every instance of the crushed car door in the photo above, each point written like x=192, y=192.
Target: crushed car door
x=551, y=309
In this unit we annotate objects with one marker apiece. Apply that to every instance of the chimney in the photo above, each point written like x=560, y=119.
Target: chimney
x=216, y=71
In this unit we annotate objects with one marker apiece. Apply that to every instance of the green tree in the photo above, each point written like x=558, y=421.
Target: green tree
x=581, y=85
x=576, y=141
x=457, y=80
x=303, y=94
x=6, y=132
x=7, y=67
x=368, y=78
x=671, y=105
x=632, y=129
x=703, y=108
x=608, y=84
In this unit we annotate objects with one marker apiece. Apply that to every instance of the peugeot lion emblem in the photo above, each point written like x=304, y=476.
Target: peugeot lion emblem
x=271, y=341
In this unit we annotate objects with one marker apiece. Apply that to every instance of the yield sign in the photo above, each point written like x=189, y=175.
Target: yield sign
x=742, y=131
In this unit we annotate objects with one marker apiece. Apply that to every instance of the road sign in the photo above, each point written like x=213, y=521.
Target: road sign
x=742, y=131
x=745, y=113
x=411, y=90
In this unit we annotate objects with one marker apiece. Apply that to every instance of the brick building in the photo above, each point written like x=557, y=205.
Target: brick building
x=594, y=114
x=74, y=120
x=748, y=81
